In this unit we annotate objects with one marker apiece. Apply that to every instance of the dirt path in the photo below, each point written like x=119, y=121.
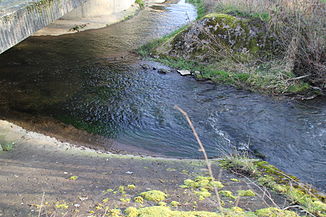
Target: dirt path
x=40, y=165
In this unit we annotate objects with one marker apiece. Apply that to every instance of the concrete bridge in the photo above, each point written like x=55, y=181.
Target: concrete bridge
x=20, y=19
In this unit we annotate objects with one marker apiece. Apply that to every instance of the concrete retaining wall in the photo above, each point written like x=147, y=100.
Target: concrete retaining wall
x=95, y=8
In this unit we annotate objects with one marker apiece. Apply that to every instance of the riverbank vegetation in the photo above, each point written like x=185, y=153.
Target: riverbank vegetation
x=274, y=47
x=301, y=196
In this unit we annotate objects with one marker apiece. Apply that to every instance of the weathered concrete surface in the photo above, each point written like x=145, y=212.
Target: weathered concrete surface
x=39, y=167
x=93, y=14
x=20, y=19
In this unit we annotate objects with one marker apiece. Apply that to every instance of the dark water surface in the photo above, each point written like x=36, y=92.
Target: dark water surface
x=93, y=80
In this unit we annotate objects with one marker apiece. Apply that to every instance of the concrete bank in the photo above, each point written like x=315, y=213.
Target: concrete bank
x=76, y=181
x=92, y=14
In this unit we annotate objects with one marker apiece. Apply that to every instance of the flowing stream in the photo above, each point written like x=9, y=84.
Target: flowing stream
x=94, y=80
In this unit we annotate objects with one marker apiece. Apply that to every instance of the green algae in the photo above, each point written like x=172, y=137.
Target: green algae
x=154, y=195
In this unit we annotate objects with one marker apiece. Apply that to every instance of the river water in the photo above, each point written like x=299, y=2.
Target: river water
x=94, y=81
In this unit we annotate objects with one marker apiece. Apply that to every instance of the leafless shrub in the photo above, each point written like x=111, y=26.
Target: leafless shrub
x=300, y=26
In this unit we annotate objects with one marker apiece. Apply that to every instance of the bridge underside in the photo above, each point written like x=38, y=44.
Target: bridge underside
x=20, y=19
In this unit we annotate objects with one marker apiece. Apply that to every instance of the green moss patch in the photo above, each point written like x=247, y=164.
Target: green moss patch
x=227, y=194
x=175, y=203
x=154, y=195
x=139, y=199
x=274, y=212
x=160, y=211
x=246, y=193
x=219, y=36
x=202, y=186
x=201, y=182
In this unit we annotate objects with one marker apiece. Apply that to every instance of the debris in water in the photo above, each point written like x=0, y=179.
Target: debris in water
x=184, y=72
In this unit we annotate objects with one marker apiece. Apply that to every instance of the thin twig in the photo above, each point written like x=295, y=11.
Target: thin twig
x=39, y=212
x=298, y=78
x=202, y=149
x=262, y=190
x=300, y=207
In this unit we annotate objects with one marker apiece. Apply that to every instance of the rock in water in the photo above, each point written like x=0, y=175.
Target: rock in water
x=145, y=66
x=217, y=36
x=184, y=72
x=163, y=71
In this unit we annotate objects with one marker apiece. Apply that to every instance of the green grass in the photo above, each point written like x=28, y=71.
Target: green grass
x=7, y=146
x=238, y=12
x=141, y=3
x=267, y=82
